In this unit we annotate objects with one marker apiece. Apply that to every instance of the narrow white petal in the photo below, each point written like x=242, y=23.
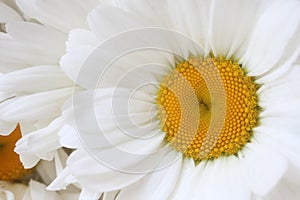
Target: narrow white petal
x=157, y=185
x=191, y=19
x=7, y=14
x=12, y=191
x=6, y=95
x=31, y=145
x=111, y=195
x=185, y=184
x=68, y=137
x=36, y=106
x=104, y=16
x=284, y=135
x=153, y=10
x=27, y=44
x=38, y=191
x=62, y=180
x=224, y=175
x=25, y=80
x=62, y=15
x=79, y=46
x=266, y=48
x=264, y=168
x=7, y=127
x=288, y=187
x=230, y=25
x=89, y=195
x=94, y=175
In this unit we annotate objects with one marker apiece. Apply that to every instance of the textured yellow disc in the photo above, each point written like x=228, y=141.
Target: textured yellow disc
x=11, y=169
x=190, y=93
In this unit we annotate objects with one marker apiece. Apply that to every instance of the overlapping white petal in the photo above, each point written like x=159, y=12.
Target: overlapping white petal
x=108, y=125
x=62, y=15
x=233, y=29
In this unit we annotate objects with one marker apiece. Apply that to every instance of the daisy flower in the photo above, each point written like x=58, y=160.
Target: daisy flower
x=185, y=100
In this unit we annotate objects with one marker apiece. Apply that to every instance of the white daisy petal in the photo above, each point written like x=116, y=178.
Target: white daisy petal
x=185, y=180
x=110, y=195
x=288, y=188
x=103, y=16
x=68, y=137
x=62, y=180
x=263, y=51
x=109, y=115
x=27, y=44
x=89, y=195
x=34, y=107
x=38, y=191
x=152, y=10
x=228, y=32
x=79, y=46
x=31, y=143
x=98, y=176
x=287, y=143
x=224, y=175
x=5, y=95
x=184, y=16
x=63, y=15
x=7, y=127
x=263, y=177
x=48, y=77
x=157, y=185
x=12, y=191
x=8, y=14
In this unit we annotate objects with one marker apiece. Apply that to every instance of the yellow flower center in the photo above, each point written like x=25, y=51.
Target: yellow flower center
x=207, y=107
x=11, y=169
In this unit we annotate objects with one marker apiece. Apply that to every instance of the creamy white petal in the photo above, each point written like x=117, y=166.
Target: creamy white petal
x=258, y=163
x=36, y=106
x=112, y=109
x=156, y=185
x=104, y=16
x=46, y=166
x=281, y=100
x=266, y=48
x=62, y=15
x=288, y=187
x=79, y=46
x=62, y=180
x=224, y=175
x=110, y=195
x=191, y=19
x=130, y=51
x=89, y=195
x=41, y=143
x=97, y=175
x=7, y=127
x=68, y=137
x=230, y=24
x=25, y=80
x=286, y=142
x=186, y=179
x=27, y=44
x=7, y=14
x=152, y=10
x=38, y=191
x=12, y=191
x=27, y=127
x=6, y=95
